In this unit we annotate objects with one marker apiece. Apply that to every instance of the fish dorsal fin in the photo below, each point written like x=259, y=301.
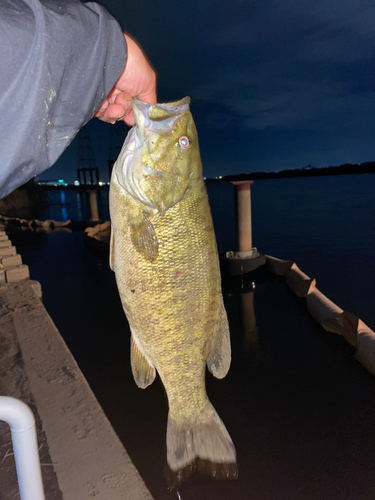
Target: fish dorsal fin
x=143, y=372
x=143, y=237
x=219, y=358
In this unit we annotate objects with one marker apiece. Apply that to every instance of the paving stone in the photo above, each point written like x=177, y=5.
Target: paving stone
x=11, y=260
x=8, y=251
x=5, y=244
x=17, y=273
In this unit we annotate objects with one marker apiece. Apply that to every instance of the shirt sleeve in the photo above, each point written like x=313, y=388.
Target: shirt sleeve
x=59, y=59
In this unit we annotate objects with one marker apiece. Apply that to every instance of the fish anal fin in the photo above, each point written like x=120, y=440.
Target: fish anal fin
x=219, y=358
x=205, y=438
x=111, y=251
x=143, y=372
x=144, y=238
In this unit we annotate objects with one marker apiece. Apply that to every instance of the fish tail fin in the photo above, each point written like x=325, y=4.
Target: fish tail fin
x=205, y=438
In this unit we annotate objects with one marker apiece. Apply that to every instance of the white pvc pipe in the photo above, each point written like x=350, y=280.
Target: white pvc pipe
x=25, y=446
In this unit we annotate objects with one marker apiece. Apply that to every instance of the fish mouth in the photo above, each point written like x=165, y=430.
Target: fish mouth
x=159, y=118
x=129, y=168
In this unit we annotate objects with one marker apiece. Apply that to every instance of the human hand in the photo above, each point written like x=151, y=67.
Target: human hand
x=137, y=80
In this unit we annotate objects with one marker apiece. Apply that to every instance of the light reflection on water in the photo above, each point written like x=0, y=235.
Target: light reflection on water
x=73, y=204
x=79, y=207
x=64, y=212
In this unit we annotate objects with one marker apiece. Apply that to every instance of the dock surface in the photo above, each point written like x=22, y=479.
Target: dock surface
x=81, y=455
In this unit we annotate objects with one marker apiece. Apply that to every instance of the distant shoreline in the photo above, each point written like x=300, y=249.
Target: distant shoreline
x=347, y=168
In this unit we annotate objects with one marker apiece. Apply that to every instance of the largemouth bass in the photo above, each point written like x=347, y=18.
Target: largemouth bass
x=164, y=254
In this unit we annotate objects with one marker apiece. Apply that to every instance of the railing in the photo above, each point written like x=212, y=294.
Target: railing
x=25, y=446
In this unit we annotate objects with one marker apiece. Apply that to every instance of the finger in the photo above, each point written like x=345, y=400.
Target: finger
x=125, y=100
x=113, y=113
x=113, y=95
x=102, y=109
x=129, y=119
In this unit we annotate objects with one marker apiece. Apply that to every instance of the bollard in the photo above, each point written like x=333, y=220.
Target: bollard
x=245, y=241
x=93, y=204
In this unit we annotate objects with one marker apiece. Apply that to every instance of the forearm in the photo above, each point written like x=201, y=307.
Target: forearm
x=58, y=61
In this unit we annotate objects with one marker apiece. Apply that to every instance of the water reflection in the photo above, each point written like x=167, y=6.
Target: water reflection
x=79, y=205
x=251, y=333
x=64, y=212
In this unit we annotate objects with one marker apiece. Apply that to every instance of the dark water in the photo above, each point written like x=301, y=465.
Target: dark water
x=299, y=407
x=73, y=204
x=325, y=224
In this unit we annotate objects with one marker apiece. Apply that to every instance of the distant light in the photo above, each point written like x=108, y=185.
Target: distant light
x=76, y=183
x=61, y=181
x=101, y=183
x=220, y=177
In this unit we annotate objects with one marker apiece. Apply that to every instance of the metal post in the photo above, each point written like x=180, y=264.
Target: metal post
x=25, y=446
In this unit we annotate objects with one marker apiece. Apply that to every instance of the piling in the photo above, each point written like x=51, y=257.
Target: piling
x=245, y=240
x=93, y=205
x=236, y=263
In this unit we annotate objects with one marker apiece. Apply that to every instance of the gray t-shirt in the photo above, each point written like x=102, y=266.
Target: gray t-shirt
x=59, y=59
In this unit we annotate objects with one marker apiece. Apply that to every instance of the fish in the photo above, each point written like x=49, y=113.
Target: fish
x=164, y=254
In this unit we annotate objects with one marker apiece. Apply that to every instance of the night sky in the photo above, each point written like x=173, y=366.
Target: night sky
x=275, y=84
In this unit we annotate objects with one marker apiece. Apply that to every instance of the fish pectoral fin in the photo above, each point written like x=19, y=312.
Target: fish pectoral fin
x=111, y=251
x=144, y=238
x=143, y=372
x=219, y=358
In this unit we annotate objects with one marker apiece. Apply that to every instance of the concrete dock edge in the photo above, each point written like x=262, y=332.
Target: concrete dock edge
x=87, y=456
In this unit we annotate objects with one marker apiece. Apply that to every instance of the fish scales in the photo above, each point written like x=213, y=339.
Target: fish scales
x=164, y=254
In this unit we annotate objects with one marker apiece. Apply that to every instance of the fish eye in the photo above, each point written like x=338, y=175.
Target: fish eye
x=184, y=142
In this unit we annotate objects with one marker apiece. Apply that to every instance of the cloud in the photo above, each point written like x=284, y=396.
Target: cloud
x=274, y=83
x=293, y=65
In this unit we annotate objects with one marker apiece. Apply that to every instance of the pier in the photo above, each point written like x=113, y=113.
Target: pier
x=80, y=453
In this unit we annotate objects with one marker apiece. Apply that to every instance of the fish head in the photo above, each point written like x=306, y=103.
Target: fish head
x=160, y=159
